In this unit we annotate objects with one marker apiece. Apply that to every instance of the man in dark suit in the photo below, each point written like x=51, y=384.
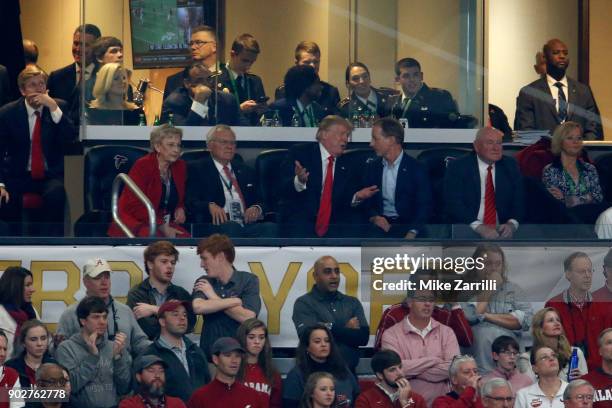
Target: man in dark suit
x=203, y=47
x=196, y=104
x=399, y=201
x=318, y=184
x=299, y=107
x=245, y=87
x=485, y=189
x=422, y=106
x=556, y=98
x=5, y=88
x=64, y=83
x=309, y=53
x=32, y=130
x=364, y=99
x=223, y=192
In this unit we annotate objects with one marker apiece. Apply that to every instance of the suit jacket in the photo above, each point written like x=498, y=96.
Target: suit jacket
x=413, y=200
x=145, y=173
x=173, y=82
x=302, y=207
x=430, y=108
x=462, y=190
x=287, y=107
x=536, y=110
x=15, y=143
x=62, y=84
x=5, y=88
x=329, y=98
x=351, y=105
x=204, y=186
x=253, y=89
x=222, y=109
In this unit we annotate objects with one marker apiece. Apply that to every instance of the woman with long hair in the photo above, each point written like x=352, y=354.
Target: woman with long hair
x=317, y=351
x=547, y=330
x=110, y=105
x=16, y=290
x=549, y=386
x=494, y=313
x=257, y=370
x=34, y=339
x=319, y=391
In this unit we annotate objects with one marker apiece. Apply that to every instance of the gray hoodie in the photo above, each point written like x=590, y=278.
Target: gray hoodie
x=96, y=381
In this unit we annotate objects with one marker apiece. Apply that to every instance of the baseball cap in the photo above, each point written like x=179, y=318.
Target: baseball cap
x=225, y=345
x=95, y=267
x=171, y=305
x=147, y=360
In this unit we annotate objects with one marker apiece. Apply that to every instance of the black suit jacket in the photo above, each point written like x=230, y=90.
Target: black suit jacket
x=462, y=190
x=287, y=107
x=253, y=90
x=536, y=109
x=5, y=88
x=62, y=83
x=329, y=99
x=204, y=186
x=349, y=106
x=15, y=141
x=430, y=108
x=413, y=201
x=173, y=82
x=222, y=108
x=302, y=207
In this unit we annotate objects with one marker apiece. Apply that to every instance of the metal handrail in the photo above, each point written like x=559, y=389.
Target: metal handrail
x=122, y=177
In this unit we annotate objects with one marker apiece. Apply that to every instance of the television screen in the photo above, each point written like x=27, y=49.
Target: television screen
x=161, y=30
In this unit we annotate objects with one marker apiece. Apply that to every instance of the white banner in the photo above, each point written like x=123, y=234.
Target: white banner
x=285, y=273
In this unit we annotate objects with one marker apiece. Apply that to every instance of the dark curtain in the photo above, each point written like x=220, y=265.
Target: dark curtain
x=11, y=47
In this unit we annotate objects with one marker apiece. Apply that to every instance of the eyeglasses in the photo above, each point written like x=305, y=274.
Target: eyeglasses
x=509, y=353
x=198, y=43
x=501, y=399
x=549, y=357
x=225, y=142
x=583, y=397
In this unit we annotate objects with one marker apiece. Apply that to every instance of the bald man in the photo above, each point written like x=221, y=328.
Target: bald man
x=341, y=313
x=484, y=189
x=555, y=98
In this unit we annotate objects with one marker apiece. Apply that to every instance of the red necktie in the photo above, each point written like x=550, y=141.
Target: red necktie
x=234, y=182
x=490, y=214
x=325, y=205
x=38, y=160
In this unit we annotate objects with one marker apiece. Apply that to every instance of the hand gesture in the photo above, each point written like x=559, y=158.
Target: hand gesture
x=366, y=193
x=248, y=106
x=90, y=342
x=204, y=286
x=217, y=214
x=404, y=391
x=506, y=230
x=144, y=310
x=381, y=222
x=119, y=343
x=353, y=323
x=487, y=232
x=252, y=214
x=179, y=215
x=201, y=93
x=4, y=195
x=301, y=173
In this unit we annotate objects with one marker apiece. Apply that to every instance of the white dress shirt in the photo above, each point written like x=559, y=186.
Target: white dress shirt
x=299, y=186
x=555, y=91
x=231, y=193
x=56, y=116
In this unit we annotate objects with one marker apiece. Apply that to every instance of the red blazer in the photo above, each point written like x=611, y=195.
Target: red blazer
x=145, y=173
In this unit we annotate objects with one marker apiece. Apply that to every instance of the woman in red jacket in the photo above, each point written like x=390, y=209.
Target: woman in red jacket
x=161, y=176
x=257, y=370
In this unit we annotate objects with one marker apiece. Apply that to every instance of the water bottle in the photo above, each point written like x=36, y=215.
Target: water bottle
x=355, y=120
x=276, y=122
x=295, y=120
x=141, y=120
x=573, y=363
x=156, y=122
x=171, y=119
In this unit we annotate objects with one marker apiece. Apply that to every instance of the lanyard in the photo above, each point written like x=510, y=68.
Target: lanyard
x=227, y=184
x=235, y=86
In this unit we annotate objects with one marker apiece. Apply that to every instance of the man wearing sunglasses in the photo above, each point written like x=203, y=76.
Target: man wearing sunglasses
x=342, y=314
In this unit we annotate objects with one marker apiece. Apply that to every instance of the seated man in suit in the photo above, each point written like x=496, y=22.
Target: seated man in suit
x=309, y=53
x=222, y=193
x=197, y=104
x=424, y=107
x=364, y=99
x=555, y=98
x=65, y=82
x=203, y=47
x=246, y=88
x=299, y=108
x=485, y=189
x=399, y=201
x=318, y=184
x=32, y=131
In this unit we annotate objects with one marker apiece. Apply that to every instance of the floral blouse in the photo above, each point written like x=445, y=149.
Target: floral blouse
x=587, y=190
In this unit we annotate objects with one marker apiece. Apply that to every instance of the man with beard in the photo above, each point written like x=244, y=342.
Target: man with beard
x=342, y=314
x=554, y=98
x=464, y=378
x=151, y=380
x=186, y=365
x=392, y=389
x=144, y=299
x=601, y=377
x=224, y=391
x=425, y=346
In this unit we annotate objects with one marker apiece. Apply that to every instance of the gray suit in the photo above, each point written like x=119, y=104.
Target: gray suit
x=536, y=109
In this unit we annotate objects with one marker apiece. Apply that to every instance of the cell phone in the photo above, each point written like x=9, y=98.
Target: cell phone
x=262, y=99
